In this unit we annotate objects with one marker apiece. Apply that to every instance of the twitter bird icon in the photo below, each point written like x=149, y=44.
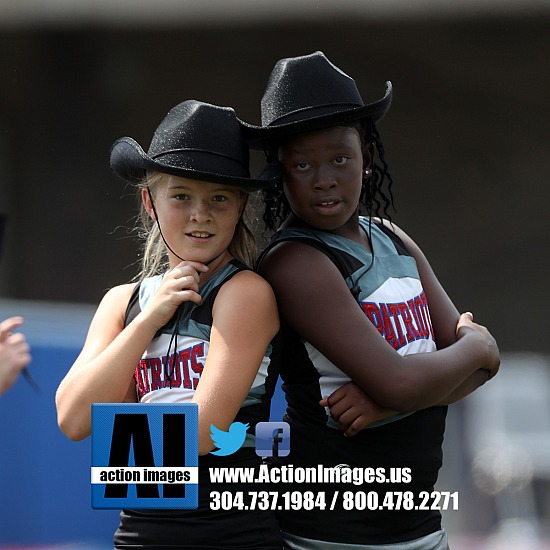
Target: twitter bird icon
x=230, y=441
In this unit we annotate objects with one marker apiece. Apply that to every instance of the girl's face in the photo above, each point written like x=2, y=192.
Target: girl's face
x=323, y=172
x=197, y=218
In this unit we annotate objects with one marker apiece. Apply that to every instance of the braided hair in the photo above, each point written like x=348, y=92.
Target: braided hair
x=374, y=199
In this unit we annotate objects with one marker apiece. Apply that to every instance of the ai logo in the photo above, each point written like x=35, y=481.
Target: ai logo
x=144, y=456
x=272, y=439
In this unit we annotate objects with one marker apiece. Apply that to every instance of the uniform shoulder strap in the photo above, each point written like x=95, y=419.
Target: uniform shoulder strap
x=397, y=242
x=320, y=245
x=133, y=308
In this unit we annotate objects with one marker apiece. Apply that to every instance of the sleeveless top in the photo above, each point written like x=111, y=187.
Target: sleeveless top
x=171, y=367
x=389, y=291
x=169, y=372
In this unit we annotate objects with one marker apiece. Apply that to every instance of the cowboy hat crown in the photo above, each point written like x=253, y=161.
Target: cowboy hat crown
x=308, y=93
x=195, y=140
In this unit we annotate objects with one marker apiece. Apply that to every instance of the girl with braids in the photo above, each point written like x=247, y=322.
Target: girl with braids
x=197, y=326
x=372, y=349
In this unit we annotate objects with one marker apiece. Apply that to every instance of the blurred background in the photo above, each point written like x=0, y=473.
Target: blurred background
x=466, y=141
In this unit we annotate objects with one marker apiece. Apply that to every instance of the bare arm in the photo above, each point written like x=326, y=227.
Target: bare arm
x=348, y=339
x=446, y=321
x=472, y=383
x=245, y=320
x=103, y=372
x=354, y=410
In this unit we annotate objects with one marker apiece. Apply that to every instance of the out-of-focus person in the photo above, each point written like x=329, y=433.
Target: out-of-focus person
x=14, y=352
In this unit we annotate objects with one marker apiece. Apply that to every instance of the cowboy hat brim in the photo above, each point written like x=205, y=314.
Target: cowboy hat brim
x=316, y=118
x=130, y=162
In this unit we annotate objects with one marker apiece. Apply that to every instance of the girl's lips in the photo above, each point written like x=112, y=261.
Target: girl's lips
x=327, y=205
x=327, y=201
x=200, y=236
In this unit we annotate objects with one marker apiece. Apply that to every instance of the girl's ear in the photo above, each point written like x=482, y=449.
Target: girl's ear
x=368, y=155
x=146, y=199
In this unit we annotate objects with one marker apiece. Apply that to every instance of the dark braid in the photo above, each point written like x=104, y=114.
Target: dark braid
x=373, y=198
x=276, y=207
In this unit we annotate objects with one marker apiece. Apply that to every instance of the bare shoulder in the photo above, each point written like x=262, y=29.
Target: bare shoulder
x=108, y=321
x=247, y=284
x=115, y=301
x=119, y=294
x=246, y=303
x=293, y=260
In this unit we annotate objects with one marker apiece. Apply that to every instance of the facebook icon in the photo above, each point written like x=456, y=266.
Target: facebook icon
x=272, y=439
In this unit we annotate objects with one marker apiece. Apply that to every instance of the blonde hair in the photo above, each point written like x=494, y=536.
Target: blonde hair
x=154, y=256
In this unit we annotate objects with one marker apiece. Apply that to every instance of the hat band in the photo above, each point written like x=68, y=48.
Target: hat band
x=318, y=110
x=185, y=149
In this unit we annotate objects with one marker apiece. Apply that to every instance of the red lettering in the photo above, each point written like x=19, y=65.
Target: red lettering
x=413, y=310
x=172, y=373
x=401, y=322
x=422, y=327
x=389, y=333
x=184, y=357
x=394, y=312
x=156, y=370
x=197, y=366
x=412, y=333
x=373, y=313
x=140, y=375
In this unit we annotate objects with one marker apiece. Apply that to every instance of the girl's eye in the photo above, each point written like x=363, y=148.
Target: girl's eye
x=341, y=159
x=301, y=166
x=181, y=197
x=219, y=198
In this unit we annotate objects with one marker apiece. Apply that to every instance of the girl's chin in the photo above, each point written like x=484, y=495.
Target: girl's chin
x=328, y=218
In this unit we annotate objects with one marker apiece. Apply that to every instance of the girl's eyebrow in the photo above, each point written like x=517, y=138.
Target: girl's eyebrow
x=299, y=150
x=339, y=145
x=306, y=150
x=178, y=186
x=183, y=187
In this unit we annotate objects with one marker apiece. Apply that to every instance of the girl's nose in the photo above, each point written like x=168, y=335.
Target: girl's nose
x=200, y=212
x=325, y=179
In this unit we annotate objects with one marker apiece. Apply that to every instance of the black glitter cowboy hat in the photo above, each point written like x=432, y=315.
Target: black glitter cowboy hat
x=195, y=140
x=309, y=93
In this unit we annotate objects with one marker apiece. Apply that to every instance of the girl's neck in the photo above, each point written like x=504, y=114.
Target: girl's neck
x=351, y=230
x=215, y=264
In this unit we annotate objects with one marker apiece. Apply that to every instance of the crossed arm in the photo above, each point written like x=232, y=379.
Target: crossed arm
x=467, y=354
